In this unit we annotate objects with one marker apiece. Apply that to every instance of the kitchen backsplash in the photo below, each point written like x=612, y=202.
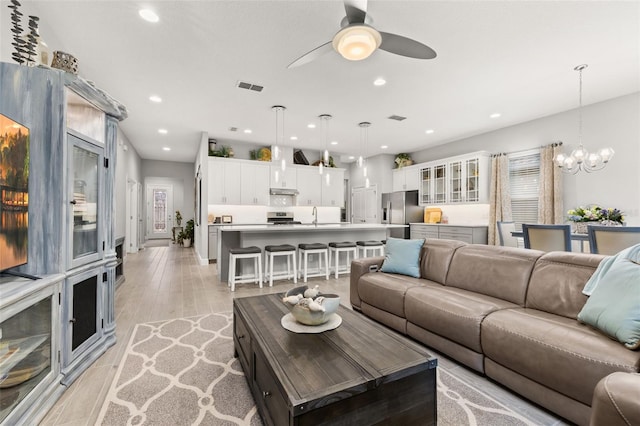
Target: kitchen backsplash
x=258, y=214
x=466, y=214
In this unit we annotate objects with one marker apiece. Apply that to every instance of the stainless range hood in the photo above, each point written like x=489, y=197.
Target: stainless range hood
x=283, y=191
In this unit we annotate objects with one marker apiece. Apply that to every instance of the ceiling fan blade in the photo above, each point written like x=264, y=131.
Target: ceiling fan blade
x=405, y=46
x=312, y=55
x=356, y=11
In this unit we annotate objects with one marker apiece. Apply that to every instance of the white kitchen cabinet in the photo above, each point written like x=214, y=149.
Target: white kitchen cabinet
x=308, y=184
x=469, y=180
x=224, y=181
x=456, y=180
x=333, y=193
x=406, y=178
x=254, y=184
x=286, y=179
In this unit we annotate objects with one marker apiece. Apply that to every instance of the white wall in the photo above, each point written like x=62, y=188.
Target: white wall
x=128, y=167
x=614, y=123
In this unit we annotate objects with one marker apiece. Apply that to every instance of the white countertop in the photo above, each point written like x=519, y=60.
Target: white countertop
x=310, y=227
x=459, y=225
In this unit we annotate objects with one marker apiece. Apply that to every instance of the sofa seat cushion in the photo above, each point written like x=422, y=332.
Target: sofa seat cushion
x=451, y=312
x=386, y=291
x=554, y=351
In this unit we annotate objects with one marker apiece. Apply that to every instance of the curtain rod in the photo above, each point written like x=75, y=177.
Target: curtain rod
x=554, y=144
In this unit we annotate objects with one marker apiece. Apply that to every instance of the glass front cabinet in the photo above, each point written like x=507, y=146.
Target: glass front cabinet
x=29, y=353
x=456, y=180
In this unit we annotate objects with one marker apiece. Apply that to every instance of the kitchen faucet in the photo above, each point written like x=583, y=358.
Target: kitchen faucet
x=314, y=212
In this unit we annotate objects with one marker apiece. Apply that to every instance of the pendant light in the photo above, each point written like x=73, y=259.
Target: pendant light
x=364, y=136
x=581, y=159
x=324, y=162
x=276, y=154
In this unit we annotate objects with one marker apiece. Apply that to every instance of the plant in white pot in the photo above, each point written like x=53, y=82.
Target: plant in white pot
x=187, y=234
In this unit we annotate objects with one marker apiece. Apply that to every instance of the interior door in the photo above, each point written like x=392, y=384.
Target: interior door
x=372, y=205
x=159, y=211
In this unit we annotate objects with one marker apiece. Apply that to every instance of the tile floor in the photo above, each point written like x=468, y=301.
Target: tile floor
x=167, y=282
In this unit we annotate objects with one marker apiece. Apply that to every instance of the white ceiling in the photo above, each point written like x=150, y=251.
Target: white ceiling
x=512, y=57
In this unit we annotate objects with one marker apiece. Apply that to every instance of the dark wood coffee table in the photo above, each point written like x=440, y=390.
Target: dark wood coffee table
x=361, y=373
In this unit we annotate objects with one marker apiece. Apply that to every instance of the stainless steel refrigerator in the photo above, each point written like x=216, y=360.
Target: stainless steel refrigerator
x=401, y=208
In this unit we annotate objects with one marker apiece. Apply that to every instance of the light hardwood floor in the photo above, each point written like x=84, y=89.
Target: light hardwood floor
x=167, y=282
x=161, y=283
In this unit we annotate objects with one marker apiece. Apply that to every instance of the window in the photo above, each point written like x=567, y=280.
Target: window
x=524, y=173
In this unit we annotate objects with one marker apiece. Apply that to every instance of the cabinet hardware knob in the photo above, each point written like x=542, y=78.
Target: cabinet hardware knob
x=73, y=320
x=266, y=394
x=73, y=202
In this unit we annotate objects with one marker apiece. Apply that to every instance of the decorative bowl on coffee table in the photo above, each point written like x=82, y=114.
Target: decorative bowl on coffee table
x=311, y=311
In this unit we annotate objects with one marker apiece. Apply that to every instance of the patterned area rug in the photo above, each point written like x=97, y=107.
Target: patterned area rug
x=182, y=372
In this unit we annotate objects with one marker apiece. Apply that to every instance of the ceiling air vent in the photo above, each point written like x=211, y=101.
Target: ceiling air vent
x=397, y=117
x=250, y=86
x=233, y=129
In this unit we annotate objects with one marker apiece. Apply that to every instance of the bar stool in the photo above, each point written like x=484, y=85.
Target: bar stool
x=310, y=249
x=345, y=247
x=270, y=252
x=374, y=246
x=245, y=253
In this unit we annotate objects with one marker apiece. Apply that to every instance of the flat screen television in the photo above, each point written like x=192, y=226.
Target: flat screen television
x=14, y=193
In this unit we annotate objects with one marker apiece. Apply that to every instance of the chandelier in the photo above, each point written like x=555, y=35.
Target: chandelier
x=275, y=155
x=581, y=159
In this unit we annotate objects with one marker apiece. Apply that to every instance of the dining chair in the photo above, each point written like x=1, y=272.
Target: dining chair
x=612, y=239
x=504, y=233
x=547, y=237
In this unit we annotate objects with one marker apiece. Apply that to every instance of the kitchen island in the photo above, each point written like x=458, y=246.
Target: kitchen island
x=263, y=235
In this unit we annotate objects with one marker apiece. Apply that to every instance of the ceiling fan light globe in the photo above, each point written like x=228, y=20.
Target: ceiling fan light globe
x=357, y=42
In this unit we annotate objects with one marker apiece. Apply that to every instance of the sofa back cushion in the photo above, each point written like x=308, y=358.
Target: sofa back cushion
x=435, y=258
x=501, y=272
x=557, y=281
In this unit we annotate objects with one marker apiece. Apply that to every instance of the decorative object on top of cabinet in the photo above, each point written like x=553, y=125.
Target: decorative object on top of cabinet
x=65, y=62
x=260, y=154
x=402, y=160
x=224, y=151
x=300, y=158
x=212, y=145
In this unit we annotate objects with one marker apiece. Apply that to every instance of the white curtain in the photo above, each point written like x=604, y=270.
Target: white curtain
x=550, y=208
x=499, y=196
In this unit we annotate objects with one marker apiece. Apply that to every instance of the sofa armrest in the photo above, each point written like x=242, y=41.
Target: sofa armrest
x=359, y=267
x=616, y=400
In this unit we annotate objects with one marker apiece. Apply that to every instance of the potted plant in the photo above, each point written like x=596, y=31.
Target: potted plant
x=187, y=234
x=403, y=160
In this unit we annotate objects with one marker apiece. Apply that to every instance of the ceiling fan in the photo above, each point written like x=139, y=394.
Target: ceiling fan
x=357, y=39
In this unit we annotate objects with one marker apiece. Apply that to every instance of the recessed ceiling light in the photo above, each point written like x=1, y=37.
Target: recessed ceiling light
x=379, y=81
x=148, y=15
x=495, y=115
x=294, y=138
x=163, y=131
x=311, y=126
x=155, y=98
x=334, y=142
x=430, y=131
x=351, y=157
x=384, y=147
x=166, y=148
x=247, y=131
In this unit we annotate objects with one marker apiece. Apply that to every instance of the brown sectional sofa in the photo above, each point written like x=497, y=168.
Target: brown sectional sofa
x=507, y=313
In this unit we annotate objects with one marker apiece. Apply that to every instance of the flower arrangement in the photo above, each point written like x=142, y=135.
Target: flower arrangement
x=595, y=214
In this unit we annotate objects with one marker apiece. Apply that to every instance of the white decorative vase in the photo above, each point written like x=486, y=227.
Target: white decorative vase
x=581, y=227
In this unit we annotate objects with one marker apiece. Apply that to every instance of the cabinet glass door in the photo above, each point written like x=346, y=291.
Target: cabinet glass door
x=440, y=183
x=472, y=194
x=426, y=181
x=85, y=181
x=455, y=182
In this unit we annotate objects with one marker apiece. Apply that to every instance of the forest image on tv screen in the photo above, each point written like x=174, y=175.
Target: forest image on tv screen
x=14, y=193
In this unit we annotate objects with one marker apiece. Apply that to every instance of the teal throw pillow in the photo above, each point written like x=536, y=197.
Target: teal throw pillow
x=402, y=257
x=614, y=302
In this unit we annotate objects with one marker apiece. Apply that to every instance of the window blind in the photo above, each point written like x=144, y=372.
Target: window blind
x=524, y=173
